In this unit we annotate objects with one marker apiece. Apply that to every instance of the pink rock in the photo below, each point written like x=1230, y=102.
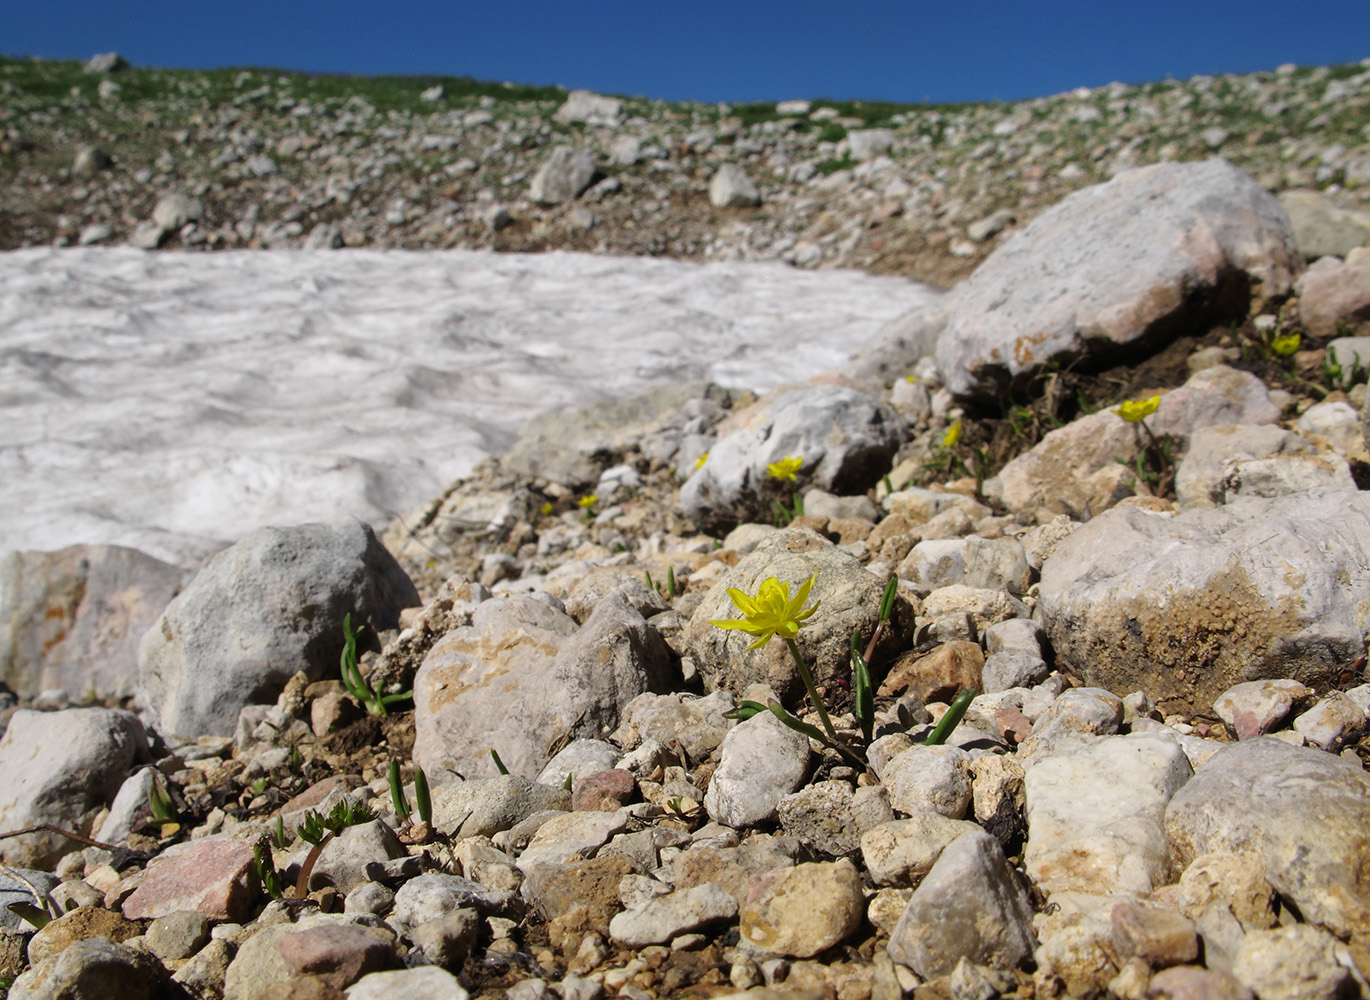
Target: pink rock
x=1332, y=292
x=340, y=953
x=215, y=878
x=1256, y=707
x=603, y=791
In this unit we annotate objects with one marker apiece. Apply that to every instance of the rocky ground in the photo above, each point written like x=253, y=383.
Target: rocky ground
x=268, y=159
x=1159, y=790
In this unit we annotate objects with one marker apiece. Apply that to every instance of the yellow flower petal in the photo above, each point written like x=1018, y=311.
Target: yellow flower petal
x=771, y=612
x=786, y=468
x=1135, y=410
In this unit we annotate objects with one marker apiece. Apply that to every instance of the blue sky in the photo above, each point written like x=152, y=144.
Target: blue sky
x=953, y=50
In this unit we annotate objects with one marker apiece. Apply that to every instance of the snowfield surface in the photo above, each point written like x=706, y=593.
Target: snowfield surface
x=174, y=402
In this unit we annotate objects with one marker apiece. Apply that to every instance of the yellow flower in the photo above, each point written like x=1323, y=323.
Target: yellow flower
x=1135, y=410
x=546, y=508
x=911, y=379
x=1286, y=345
x=953, y=436
x=699, y=462
x=771, y=611
x=785, y=468
x=586, y=502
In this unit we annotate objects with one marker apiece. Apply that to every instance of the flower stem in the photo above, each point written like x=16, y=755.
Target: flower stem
x=807, y=678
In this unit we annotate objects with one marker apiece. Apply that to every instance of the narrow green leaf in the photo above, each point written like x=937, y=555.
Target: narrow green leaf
x=812, y=732
x=499, y=764
x=397, y=798
x=745, y=710
x=887, y=598
x=863, y=693
x=423, y=799
x=951, y=719
x=670, y=583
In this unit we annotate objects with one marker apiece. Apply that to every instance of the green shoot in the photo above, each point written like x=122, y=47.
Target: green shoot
x=397, y=796
x=863, y=693
x=499, y=764
x=279, y=833
x=951, y=719
x=356, y=684
x=318, y=830
x=266, y=869
x=159, y=801
x=423, y=800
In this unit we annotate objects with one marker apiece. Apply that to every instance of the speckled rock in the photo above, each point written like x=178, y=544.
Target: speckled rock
x=1301, y=810
x=1116, y=266
x=969, y=906
x=1185, y=607
x=803, y=910
x=762, y=760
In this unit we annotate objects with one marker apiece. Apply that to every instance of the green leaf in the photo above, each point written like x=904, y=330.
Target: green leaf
x=499, y=764
x=423, y=800
x=397, y=798
x=951, y=718
x=863, y=694
x=887, y=599
x=745, y=710
x=812, y=732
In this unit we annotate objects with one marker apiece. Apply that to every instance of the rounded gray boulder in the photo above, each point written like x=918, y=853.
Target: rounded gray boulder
x=259, y=611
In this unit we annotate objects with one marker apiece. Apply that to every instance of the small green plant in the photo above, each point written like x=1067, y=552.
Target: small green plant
x=397, y=796
x=317, y=830
x=159, y=800
x=423, y=800
x=773, y=613
x=278, y=833
x=265, y=866
x=499, y=764
x=786, y=471
x=356, y=684
x=1154, y=462
x=951, y=718
x=669, y=590
x=258, y=785
x=1336, y=375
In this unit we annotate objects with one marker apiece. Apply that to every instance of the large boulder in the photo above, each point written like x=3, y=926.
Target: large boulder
x=848, y=598
x=845, y=438
x=1115, y=270
x=1322, y=227
x=1302, y=813
x=1183, y=607
x=61, y=768
x=72, y=619
x=258, y=612
x=521, y=679
x=1334, y=296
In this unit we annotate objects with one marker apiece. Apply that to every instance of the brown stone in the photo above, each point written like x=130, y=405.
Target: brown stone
x=339, y=954
x=950, y=668
x=1189, y=982
x=558, y=888
x=216, y=878
x=320, y=790
x=302, y=988
x=80, y=924
x=1158, y=936
x=603, y=791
